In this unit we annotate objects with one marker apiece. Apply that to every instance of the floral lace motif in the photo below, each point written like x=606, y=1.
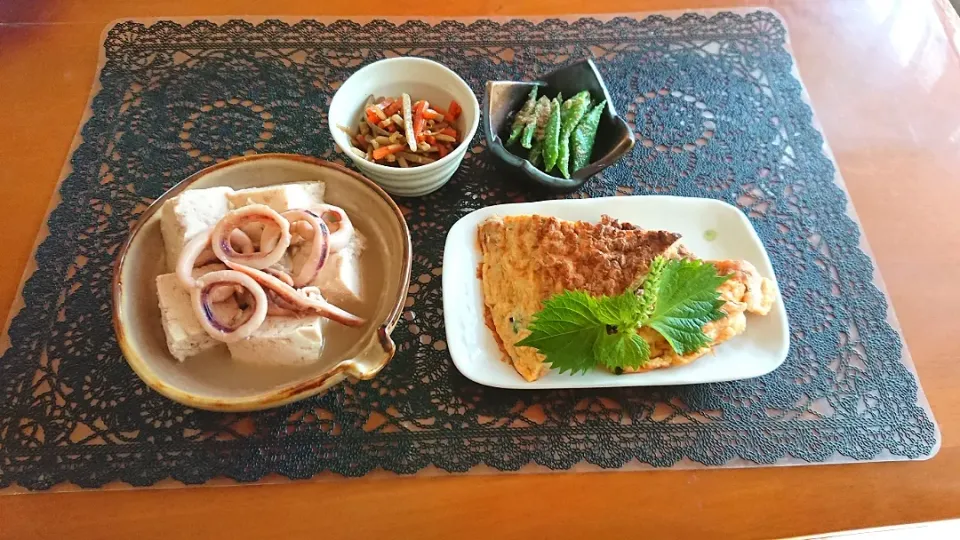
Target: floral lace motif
x=717, y=112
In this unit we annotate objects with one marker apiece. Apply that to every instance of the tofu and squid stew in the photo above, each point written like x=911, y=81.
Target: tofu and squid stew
x=262, y=270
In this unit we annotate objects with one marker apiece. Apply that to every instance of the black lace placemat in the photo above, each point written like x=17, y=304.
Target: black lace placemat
x=718, y=113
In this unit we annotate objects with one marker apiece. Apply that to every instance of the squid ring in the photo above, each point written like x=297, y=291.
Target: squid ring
x=319, y=248
x=202, y=299
x=223, y=231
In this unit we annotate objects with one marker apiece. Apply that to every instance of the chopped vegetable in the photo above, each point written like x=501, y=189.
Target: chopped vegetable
x=551, y=137
x=394, y=108
x=524, y=118
x=377, y=130
x=571, y=112
x=400, y=132
x=536, y=153
x=408, y=123
x=419, y=120
x=385, y=151
x=535, y=128
x=415, y=158
x=584, y=135
x=453, y=111
x=542, y=112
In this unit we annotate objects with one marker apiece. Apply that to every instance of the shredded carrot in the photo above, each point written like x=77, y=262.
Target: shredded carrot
x=431, y=114
x=392, y=128
x=393, y=108
x=430, y=139
x=453, y=111
x=439, y=110
x=449, y=131
x=418, y=119
x=372, y=116
x=385, y=151
x=361, y=142
x=443, y=149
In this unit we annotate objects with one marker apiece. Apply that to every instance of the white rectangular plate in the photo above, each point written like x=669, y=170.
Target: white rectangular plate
x=712, y=229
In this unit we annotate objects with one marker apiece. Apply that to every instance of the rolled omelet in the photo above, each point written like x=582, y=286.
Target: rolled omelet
x=528, y=259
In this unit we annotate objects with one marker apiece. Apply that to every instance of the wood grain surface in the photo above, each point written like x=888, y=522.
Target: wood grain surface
x=884, y=79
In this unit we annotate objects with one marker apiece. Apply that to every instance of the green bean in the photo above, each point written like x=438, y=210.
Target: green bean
x=530, y=130
x=584, y=135
x=540, y=118
x=536, y=153
x=541, y=113
x=551, y=137
x=571, y=112
x=524, y=117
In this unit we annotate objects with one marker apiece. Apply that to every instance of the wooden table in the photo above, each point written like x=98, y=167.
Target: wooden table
x=884, y=77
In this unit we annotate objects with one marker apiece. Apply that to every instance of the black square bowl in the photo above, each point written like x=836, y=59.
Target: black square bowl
x=503, y=98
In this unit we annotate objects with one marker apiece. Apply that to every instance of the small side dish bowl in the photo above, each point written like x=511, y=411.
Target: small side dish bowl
x=212, y=380
x=421, y=79
x=503, y=98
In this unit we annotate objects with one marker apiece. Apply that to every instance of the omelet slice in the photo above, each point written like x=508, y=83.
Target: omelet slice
x=528, y=259
x=745, y=292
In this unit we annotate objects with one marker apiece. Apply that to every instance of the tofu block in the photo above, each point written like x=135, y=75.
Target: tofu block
x=340, y=280
x=282, y=341
x=185, y=336
x=282, y=197
x=279, y=340
x=189, y=214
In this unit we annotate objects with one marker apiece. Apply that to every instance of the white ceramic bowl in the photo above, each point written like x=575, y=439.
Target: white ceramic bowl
x=421, y=79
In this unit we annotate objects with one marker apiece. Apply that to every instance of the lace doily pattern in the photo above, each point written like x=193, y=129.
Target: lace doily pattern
x=717, y=113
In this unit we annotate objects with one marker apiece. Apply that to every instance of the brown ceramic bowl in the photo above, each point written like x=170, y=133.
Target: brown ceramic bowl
x=212, y=380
